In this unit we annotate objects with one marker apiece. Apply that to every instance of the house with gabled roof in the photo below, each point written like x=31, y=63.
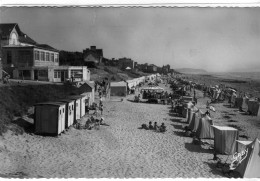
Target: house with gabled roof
x=24, y=58
x=93, y=55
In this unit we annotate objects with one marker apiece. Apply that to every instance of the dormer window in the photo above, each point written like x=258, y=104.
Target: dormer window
x=13, y=39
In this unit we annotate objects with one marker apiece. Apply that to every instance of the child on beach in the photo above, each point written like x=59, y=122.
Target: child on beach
x=155, y=126
x=150, y=125
x=162, y=128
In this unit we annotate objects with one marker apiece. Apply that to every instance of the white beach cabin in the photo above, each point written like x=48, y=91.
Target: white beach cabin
x=81, y=99
x=76, y=108
x=49, y=118
x=69, y=117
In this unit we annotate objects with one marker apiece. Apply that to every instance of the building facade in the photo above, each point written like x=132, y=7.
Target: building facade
x=93, y=55
x=23, y=58
x=123, y=63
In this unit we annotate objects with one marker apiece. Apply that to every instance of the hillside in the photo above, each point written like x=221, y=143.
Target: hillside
x=15, y=101
x=191, y=71
x=113, y=74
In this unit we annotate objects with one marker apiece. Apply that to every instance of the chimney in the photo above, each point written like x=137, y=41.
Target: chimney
x=92, y=47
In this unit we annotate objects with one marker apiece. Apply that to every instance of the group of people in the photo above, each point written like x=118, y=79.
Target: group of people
x=93, y=123
x=154, y=94
x=154, y=127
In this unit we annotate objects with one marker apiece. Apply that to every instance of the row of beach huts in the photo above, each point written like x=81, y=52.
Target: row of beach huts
x=53, y=118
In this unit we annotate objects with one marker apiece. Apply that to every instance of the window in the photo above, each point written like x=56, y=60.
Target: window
x=52, y=57
x=47, y=56
x=56, y=57
x=57, y=74
x=43, y=56
x=13, y=39
x=36, y=55
x=63, y=110
x=77, y=73
x=9, y=57
x=72, y=107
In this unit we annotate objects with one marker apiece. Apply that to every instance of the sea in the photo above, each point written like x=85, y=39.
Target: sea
x=240, y=75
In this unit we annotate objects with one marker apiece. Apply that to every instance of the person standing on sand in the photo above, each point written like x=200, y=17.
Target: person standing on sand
x=101, y=109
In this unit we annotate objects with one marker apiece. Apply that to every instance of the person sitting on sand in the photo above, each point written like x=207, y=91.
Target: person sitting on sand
x=144, y=126
x=150, y=125
x=88, y=124
x=92, y=119
x=155, y=126
x=162, y=128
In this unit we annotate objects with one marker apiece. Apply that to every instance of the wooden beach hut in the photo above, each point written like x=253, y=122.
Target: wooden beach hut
x=118, y=89
x=49, y=118
x=205, y=129
x=225, y=139
x=76, y=107
x=82, y=101
x=69, y=116
x=194, y=123
x=88, y=90
x=254, y=107
x=187, y=99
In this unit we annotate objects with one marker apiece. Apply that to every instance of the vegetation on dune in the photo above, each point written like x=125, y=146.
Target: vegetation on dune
x=15, y=100
x=113, y=73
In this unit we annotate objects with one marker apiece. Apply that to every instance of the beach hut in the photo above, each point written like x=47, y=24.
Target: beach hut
x=253, y=107
x=77, y=108
x=249, y=163
x=82, y=103
x=186, y=109
x=118, y=89
x=49, y=118
x=69, y=116
x=88, y=90
x=194, y=123
x=224, y=139
x=238, y=102
x=187, y=99
x=205, y=129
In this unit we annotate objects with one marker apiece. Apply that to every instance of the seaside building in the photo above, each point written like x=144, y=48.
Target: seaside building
x=152, y=68
x=93, y=55
x=123, y=63
x=24, y=58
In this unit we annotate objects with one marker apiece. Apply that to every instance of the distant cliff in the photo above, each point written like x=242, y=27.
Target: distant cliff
x=191, y=71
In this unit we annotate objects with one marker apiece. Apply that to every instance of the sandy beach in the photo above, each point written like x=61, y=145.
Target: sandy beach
x=119, y=150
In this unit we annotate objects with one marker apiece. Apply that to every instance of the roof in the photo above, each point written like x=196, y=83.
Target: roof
x=40, y=46
x=118, y=84
x=46, y=47
x=6, y=29
x=65, y=100
x=96, y=53
x=75, y=97
x=224, y=128
x=50, y=103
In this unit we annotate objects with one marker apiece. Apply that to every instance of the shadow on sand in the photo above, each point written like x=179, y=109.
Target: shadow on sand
x=176, y=120
x=197, y=148
x=177, y=126
x=213, y=169
x=25, y=125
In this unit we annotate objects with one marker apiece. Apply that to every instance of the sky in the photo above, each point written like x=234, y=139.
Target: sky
x=213, y=39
